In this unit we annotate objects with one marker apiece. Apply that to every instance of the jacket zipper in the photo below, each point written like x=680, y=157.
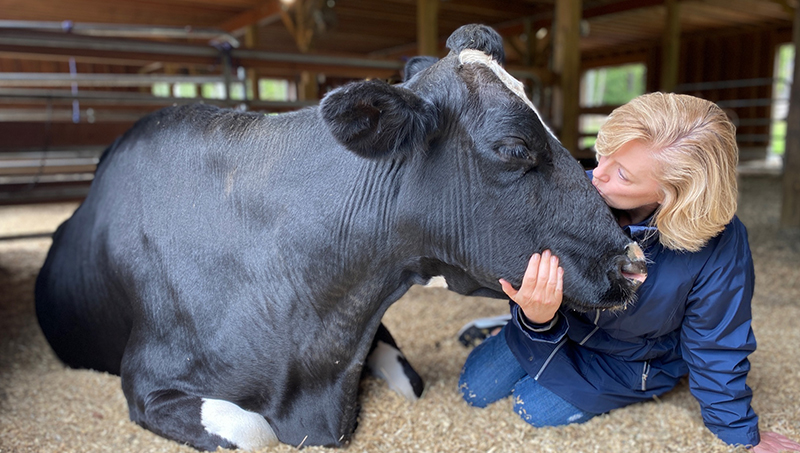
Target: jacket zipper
x=563, y=342
x=596, y=328
x=645, y=372
x=549, y=358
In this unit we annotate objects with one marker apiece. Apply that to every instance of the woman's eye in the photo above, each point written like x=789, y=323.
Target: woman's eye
x=622, y=175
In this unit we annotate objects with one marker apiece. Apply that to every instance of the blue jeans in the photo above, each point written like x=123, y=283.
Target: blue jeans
x=492, y=373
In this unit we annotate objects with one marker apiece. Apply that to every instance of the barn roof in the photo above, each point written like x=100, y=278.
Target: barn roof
x=387, y=29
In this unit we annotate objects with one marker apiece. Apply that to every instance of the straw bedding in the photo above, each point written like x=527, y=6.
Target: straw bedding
x=45, y=407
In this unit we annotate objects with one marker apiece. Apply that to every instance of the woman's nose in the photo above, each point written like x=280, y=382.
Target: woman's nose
x=599, y=172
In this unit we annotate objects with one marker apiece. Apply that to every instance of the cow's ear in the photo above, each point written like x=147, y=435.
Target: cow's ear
x=374, y=119
x=416, y=65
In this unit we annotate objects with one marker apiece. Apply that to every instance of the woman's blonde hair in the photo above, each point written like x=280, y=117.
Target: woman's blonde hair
x=694, y=143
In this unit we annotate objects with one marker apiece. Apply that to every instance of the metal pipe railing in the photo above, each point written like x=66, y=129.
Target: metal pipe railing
x=38, y=95
x=22, y=79
x=123, y=30
x=189, y=50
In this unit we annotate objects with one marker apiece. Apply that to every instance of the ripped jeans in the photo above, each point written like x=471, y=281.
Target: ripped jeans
x=491, y=373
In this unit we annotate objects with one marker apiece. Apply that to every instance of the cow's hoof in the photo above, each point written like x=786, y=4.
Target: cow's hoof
x=248, y=430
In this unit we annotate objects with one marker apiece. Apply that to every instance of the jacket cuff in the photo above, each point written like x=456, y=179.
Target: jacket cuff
x=748, y=438
x=551, y=332
x=535, y=327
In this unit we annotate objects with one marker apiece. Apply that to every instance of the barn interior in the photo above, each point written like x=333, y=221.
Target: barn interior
x=76, y=75
x=73, y=79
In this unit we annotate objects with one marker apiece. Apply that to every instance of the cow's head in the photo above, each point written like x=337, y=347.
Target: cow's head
x=486, y=183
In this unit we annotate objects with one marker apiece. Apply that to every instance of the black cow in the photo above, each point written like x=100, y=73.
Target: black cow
x=233, y=267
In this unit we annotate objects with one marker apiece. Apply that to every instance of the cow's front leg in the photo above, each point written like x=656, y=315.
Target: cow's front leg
x=387, y=362
x=205, y=423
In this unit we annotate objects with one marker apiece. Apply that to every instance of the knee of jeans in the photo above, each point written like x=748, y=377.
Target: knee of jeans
x=472, y=398
x=541, y=417
x=525, y=413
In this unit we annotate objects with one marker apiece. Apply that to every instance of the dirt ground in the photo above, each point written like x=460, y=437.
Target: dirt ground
x=45, y=407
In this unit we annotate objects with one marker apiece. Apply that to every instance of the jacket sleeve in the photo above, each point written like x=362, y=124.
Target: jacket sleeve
x=716, y=338
x=551, y=332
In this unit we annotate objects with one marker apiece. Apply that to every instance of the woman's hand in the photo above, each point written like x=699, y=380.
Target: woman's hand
x=774, y=443
x=542, y=288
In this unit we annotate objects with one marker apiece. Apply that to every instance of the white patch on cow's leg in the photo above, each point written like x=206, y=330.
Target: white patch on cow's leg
x=386, y=362
x=436, y=282
x=248, y=430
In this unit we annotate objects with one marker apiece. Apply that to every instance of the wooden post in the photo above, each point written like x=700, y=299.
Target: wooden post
x=428, y=27
x=300, y=23
x=528, y=55
x=566, y=65
x=670, y=47
x=308, y=88
x=790, y=209
x=250, y=42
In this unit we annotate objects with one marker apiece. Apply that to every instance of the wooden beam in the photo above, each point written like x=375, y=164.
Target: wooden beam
x=786, y=6
x=428, y=27
x=790, y=209
x=546, y=20
x=620, y=7
x=307, y=88
x=529, y=53
x=268, y=11
x=670, y=47
x=300, y=22
x=251, y=41
x=566, y=65
x=266, y=68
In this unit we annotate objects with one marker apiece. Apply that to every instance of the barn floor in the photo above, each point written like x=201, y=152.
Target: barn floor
x=45, y=407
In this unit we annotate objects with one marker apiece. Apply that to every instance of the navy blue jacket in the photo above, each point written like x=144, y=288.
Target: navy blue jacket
x=692, y=316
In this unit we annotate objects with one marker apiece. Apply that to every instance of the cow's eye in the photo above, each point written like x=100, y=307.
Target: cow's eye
x=516, y=152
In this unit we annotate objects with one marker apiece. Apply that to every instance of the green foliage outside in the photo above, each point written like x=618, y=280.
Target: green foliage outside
x=784, y=65
x=160, y=89
x=273, y=90
x=185, y=90
x=778, y=137
x=269, y=90
x=212, y=91
x=613, y=85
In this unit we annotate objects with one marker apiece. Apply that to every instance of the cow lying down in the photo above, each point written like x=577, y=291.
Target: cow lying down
x=233, y=268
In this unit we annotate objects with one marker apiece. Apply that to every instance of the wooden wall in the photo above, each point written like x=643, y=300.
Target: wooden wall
x=736, y=55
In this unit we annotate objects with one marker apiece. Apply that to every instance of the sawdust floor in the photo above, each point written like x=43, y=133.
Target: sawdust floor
x=45, y=407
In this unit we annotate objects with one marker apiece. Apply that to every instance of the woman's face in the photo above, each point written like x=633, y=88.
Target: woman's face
x=626, y=179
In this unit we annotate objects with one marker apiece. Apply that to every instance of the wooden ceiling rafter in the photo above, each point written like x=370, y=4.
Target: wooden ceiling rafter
x=385, y=29
x=267, y=12
x=302, y=19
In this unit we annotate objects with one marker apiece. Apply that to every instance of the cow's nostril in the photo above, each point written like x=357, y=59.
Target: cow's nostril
x=634, y=283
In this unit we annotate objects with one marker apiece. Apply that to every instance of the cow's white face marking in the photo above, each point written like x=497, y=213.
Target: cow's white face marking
x=248, y=430
x=477, y=56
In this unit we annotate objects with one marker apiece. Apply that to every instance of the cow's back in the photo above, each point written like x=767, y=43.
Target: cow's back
x=176, y=182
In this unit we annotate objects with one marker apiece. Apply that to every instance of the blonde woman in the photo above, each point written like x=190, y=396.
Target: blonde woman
x=667, y=168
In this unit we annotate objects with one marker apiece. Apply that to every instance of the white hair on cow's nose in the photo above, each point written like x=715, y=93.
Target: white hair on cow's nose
x=480, y=57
